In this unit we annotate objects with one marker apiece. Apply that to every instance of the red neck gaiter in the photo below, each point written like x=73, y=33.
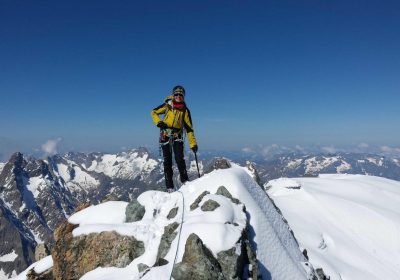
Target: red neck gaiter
x=178, y=105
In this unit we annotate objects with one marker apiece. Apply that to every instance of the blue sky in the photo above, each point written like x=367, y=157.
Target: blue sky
x=256, y=72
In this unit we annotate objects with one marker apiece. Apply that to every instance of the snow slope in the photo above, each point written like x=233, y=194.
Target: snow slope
x=277, y=251
x=349, y=224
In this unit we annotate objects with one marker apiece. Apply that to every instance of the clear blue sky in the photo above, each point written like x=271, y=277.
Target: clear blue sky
x=256, y=72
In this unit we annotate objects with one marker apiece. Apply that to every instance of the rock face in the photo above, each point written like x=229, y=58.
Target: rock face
x=197, y=263
x=172, y=214
x=134, y=211
x=14, y=241
x=218, y=163
x=41, y=251
x=75, y=256
x=253, y=170
x=46, y=275
x=223, y=191
x=196, y=203
x=209, y=205
x=169, y=235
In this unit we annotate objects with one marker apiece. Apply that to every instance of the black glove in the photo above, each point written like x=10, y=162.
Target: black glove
x=195, y=148
x=162, y=125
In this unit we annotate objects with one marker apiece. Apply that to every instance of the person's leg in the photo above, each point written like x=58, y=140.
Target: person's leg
x=180, y=161
x=167, y=155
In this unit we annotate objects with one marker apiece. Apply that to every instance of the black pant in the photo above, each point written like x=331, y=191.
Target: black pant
x=177, y=146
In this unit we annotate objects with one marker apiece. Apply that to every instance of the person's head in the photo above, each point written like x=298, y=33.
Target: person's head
x=179, y=93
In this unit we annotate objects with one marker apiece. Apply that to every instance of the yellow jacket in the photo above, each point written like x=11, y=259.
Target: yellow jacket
x=175, y=118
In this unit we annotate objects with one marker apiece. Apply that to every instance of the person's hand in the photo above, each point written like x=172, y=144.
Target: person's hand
x=162, y=125
x=195, y=148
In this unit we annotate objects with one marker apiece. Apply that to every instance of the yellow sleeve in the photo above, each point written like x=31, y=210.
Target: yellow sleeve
x=156, y=112
x=189, y=129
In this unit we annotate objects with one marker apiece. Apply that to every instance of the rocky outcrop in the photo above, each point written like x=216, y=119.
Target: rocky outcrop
x=209, y=205
x=75, y=256
x=172, y=213
x=12, y=240
x=166, y=240
x=46, y=275
x=41, y=251
x=134, y=211
x=197, y=262
x=196, y=203
x=218, y=163
x=251, y=166
x=223, y=191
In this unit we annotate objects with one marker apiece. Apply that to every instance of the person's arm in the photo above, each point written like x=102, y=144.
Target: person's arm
x=156, y=112
x=187, y=122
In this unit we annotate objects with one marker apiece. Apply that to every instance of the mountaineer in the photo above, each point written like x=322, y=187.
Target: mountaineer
x=176, y=121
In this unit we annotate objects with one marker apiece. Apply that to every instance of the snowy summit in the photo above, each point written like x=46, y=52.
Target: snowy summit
x=218, y=218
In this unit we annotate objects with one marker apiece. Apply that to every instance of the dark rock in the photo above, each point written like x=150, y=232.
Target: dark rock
x=252, y=167
x=142, y=267
x=166, y=240
x=161, y=262
x=321, y=274
x=232, y=264
x=305, y=254
x=196, y=203
x=172, y=213
x=134, y=211
x=219, y=163
x=198, y=263
x=252, y=260
x=223, y=191
x=210, y=205
x=13, y=240
x=46, y=275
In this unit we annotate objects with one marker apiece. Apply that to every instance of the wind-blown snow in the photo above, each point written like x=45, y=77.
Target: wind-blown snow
x=2, y=164
x=9, y=257
x=349, y=224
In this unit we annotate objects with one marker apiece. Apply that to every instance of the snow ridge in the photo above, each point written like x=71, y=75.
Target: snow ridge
x=278, y=253
x=349, y=224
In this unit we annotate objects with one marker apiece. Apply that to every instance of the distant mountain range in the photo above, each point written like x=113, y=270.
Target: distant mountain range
x=295, y=165
x=36, y=195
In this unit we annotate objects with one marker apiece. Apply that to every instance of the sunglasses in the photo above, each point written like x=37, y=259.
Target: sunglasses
x=178, y=94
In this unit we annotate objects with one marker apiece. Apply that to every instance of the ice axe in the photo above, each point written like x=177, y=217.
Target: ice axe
x=197, y=163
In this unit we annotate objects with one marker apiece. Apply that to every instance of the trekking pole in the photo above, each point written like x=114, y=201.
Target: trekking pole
x=197, y=164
